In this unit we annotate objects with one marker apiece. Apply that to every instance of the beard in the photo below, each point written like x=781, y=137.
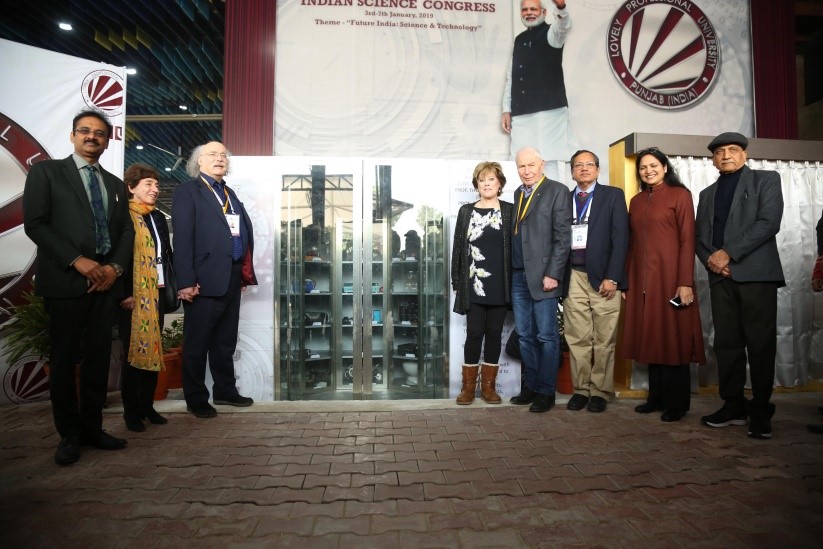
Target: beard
x=531, y=24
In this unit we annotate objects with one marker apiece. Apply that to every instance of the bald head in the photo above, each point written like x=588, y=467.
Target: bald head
x=530, y=165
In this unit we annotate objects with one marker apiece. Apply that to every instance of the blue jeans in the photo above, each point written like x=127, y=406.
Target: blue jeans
x=536, y=322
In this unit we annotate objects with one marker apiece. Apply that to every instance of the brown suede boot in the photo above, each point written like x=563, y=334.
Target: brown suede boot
x=466, y=395
x=488, y=376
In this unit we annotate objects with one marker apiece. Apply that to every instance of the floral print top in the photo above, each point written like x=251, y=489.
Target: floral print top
x=486, y=272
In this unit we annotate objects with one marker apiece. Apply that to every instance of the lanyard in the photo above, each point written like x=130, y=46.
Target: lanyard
x=225, y=205
x=584, y=211
x=159, y=246
x=522, y=213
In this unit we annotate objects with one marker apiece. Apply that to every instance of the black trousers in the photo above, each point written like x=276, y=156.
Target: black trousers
x=484, y=322
x=210, y=333
x=670, y=387
x=80, y=331
x=745, y=327
x=136, y=385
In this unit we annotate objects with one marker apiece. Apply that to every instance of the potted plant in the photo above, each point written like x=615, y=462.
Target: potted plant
x=172, y=339
x=28, y=329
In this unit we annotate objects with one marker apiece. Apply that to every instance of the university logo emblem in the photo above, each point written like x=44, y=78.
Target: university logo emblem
x=24, y=151
x=666, y=53
x=26, y=381
x=104, y=90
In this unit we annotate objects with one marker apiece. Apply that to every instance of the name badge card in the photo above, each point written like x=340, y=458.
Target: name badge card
x=161, y=281
x=234, y=223
x=580, y=234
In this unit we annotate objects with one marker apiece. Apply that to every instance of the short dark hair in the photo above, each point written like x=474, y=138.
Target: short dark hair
x=95, y=114
x=583, y=151
x=138, y=171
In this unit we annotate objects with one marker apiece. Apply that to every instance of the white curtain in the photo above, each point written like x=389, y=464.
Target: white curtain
x=799, y=310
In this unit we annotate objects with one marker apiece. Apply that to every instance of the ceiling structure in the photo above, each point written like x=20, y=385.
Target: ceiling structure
x=176, y=47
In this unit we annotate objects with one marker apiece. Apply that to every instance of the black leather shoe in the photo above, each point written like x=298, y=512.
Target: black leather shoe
x=597, y=404
x=816, y=428
x=577, y=402
x=68, y=451
x=236, y=400
x=135, y=425
x=670, y=415
x=204, y=410
x=103, y=441
x=542, y=403
x=526, y=396
x=647, y=408
x=155, y=418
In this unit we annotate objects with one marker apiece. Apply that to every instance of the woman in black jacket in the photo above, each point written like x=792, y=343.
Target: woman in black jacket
x=481, y=278
x=140, y=321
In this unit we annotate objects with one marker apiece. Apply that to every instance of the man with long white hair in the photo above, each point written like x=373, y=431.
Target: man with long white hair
x=213, y=244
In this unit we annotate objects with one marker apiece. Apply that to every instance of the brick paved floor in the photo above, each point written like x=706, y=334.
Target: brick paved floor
x=476, y=476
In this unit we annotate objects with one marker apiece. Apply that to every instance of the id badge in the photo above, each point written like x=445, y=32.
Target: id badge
x=580, y=234
x=161, y=281
x=234, y=223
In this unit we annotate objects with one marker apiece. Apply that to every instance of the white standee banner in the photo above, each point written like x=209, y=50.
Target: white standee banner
x=255, y=182
x=42, y=92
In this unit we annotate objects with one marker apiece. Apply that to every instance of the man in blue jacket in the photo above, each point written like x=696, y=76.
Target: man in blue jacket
x=595, y=278
x=213, y=244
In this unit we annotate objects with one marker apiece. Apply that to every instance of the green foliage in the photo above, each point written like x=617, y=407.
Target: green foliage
x=28, y=329
x=173, y=334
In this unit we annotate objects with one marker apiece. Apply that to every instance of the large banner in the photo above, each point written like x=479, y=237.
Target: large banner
x=42, y=92
x=425, y=78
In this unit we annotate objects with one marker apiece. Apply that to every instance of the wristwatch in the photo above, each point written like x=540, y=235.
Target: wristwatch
x=118, y=270
x=612, y=281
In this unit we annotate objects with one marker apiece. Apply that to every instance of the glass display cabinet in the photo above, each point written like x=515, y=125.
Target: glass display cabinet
x=363, y=278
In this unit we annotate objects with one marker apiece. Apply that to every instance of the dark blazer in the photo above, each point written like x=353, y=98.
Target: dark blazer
x=546, y=235
x=749, y=239
x=57, y=216
x=608, y=239
x=202, y=240
x=461, y=258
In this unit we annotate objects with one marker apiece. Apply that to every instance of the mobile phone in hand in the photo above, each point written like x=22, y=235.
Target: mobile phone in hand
x=676, y=301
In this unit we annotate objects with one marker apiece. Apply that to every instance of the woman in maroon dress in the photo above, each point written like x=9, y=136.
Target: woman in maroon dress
x=661, y=268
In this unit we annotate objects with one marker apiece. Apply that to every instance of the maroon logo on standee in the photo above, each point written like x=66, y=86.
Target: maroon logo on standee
x=665, y=53
x=104, y=90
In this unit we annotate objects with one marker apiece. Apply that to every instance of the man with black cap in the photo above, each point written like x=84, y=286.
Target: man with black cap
x=738, y=217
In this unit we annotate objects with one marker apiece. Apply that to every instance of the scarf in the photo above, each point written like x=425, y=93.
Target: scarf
x=145, y=347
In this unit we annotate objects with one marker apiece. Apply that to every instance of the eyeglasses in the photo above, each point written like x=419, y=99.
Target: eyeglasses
x=213, y=155
x=581, y=165
x=100, y=134
x=648, y=151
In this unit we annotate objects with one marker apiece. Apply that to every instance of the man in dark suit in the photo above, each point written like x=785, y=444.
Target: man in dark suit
x=77, y=214
x=595, y=277
x=738, y=217
x=213, y=244
x=541, y=231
